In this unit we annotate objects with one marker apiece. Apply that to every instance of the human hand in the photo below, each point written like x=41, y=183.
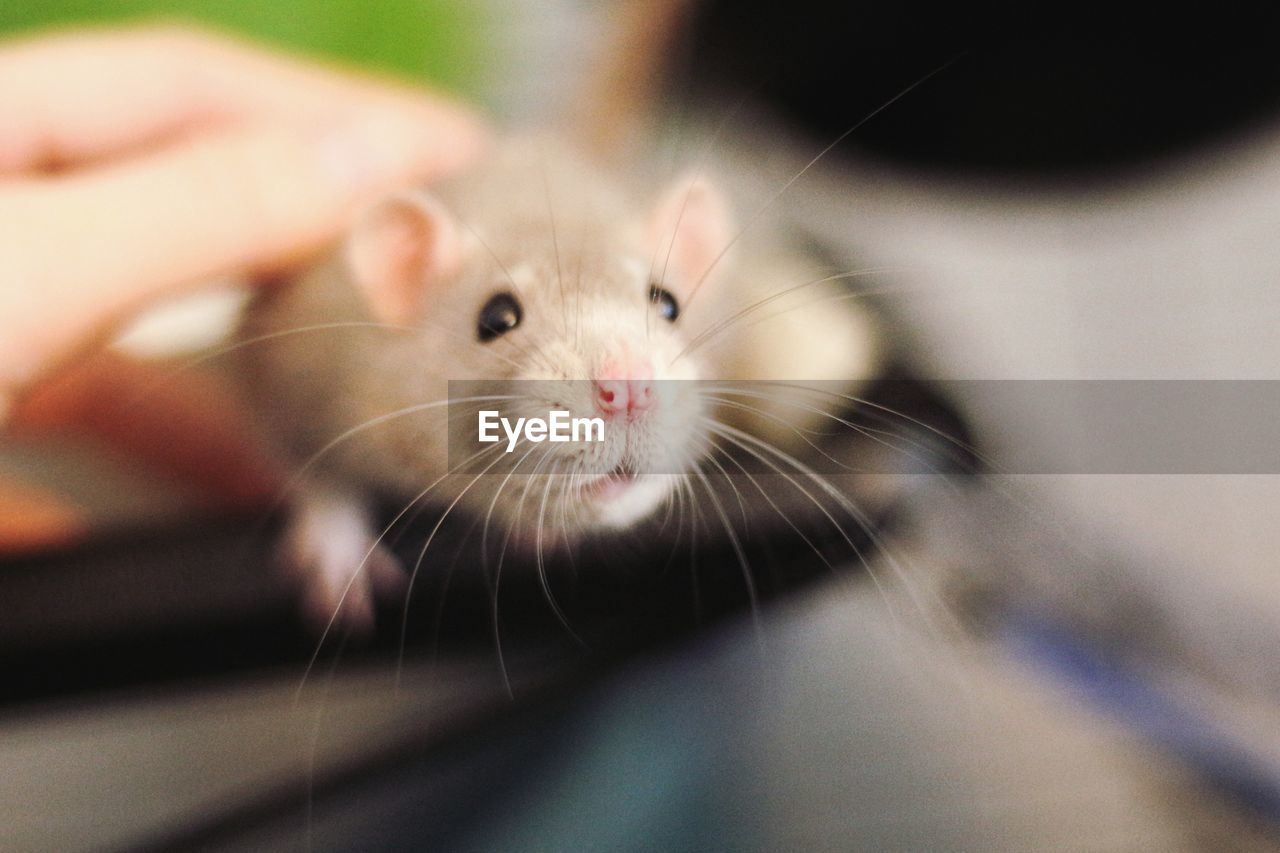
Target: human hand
x=134, y=163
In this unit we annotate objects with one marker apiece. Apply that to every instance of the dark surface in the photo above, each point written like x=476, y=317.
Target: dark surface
x=144, y=607
x=1046, y=91
x=153, y=610
x=154, y=606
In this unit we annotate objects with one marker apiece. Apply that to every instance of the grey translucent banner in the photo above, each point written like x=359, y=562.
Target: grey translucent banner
x=886, y=426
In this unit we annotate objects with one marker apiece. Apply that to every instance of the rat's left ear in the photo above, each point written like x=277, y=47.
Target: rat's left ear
x=400, y=249
x=691, y=225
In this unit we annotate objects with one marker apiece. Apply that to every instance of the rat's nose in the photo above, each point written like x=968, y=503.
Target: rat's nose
x=624, y=385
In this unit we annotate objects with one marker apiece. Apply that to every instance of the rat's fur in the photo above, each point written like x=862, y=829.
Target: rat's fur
x=360, y=406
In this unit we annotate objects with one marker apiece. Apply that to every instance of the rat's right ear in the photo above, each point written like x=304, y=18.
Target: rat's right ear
x=690, y=229
x=399, y=249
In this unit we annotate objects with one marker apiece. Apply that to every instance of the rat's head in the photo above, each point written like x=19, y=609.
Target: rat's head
x=581, y=306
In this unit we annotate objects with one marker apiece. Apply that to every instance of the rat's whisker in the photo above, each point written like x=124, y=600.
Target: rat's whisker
x=301, y=472
x=696, y=520
x=506, y=273
x=445, y=583
x=715, y=337
x=497, y=576
x=735, y=543
x=417, y=566
x=488, y=516
x=555, y=244
x=751, y=220
x=722, y=431
x=577, y=286
x=738, y=439
x=671, y=242
x=720, y=326
x=699, y=170
x=484, y=557
x=567, y=500
x=300, y=475
x=538, y=556
x=179, y=370
x=675, y=509
x=269, y=337
x=742, y=506
x=849, y=507
x=324, y=634
x=669, y=510
x=761, y=412
x=890, y=413
x=764, y=493
x=870, y=433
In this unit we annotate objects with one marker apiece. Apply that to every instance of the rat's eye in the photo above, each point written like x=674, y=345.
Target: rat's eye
x=499, y=315
x=666, y=302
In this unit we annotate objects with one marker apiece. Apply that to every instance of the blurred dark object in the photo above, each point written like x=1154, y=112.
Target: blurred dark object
x=203, y=599
x=1054, y=91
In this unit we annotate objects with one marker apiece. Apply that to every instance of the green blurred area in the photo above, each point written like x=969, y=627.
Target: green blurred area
x=421, y=40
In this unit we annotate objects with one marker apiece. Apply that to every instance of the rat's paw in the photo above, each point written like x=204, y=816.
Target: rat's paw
x=332, y=552
x=337, y=580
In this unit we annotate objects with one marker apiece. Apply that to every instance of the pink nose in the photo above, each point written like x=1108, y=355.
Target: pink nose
x=625, y=385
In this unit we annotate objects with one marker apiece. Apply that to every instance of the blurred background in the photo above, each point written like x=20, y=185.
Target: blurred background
x=1075, y=194
x=439, y=41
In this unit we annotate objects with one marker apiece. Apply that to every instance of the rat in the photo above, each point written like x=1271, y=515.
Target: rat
x=538, y=275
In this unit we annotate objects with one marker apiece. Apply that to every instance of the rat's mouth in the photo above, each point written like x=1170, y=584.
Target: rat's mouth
x=621, y=497
x=611, y=484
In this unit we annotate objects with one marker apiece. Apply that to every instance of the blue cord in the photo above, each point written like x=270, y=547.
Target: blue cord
x=1123, y=693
